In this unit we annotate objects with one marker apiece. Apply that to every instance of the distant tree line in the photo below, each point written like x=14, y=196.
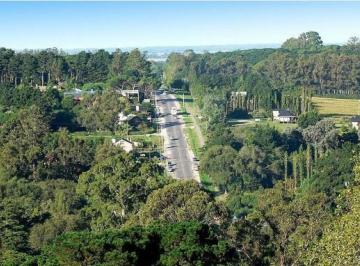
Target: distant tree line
x=272, y=78
x=54, y=67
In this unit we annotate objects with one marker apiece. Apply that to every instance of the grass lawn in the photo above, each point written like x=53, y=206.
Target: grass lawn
x=279, y=126
x=148, y=140
x=336, y=107
x=282, y=126
x=94, y=135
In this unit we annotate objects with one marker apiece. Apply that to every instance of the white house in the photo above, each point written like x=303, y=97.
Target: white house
x=126, y=145
x=122, y=118
x=131, y=93
x=355, y=121
x=284, y=116
x=78, y=94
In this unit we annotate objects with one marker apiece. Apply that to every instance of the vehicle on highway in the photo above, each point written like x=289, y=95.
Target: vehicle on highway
x=171, y=169
x=162, y=157
x=174, y=111
x=170, y=166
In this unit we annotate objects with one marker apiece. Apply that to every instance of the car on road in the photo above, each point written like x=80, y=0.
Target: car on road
x=162, y=157
x=174, y=111
x=170, y=166
x=171, y=169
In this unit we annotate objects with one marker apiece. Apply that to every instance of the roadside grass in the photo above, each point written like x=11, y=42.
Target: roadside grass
x=207, y=183
x=335, y=107
x=192, y=108
x=188, y=109
x=191, y=135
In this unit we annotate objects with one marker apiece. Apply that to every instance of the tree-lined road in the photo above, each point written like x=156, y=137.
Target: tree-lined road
x=176, y=150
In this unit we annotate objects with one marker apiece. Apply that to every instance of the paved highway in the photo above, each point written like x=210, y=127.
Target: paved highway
x=179, y=159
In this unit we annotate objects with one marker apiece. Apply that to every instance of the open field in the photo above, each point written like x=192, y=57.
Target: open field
x=336, y=107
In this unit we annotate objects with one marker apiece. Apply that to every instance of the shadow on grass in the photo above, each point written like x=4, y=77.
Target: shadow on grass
x=336, y=115
x=188, y=100
x=210, y=188
x=183, y=113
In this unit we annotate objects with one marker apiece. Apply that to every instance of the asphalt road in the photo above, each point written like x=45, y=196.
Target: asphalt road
x=176, y=148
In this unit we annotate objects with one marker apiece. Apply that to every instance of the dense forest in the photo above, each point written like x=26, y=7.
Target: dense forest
x=272, y=78
x=289, y=190
x=54, y=67
x=277, y=198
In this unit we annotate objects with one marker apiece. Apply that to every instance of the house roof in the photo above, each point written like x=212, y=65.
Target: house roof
x=77, y=92
x=356, y=119
x=285, y=113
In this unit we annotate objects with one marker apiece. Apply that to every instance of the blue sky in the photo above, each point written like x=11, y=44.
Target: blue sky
x=142, y=24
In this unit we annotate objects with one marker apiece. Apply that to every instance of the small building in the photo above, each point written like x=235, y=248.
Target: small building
x=78, y=94
x=237, y=93
x=131, y=119
x=126, y=145
x=355, y=122
x=284, y=116
x=134, y=120
x=122, y=118
x=133, y=93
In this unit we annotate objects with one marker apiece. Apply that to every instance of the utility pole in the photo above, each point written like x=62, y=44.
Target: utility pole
x=183, y=100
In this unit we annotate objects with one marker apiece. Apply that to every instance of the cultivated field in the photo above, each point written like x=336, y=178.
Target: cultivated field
x=336, y=107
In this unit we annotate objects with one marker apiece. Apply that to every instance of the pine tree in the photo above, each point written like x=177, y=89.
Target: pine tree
x=301, y=163
x=285, y=165
x=308, y=162
x=295, y=168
